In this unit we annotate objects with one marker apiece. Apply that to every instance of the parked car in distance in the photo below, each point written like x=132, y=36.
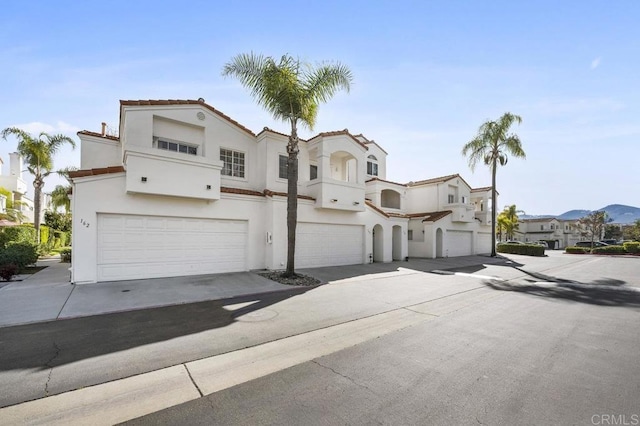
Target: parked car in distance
x=611, y=242
x=541, y=243
x=588, y=244
x=512, y=242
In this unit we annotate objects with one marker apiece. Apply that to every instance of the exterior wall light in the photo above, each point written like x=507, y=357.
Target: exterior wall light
x=143, y=178
x=355, y=203
x=334, y=200
x=208, y=186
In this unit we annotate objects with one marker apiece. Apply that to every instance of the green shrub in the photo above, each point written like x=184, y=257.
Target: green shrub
x=19, y=254
x=632, y=247
x=17, y=234
x=44, y=234
x=65, y=255
x=60, y=239
x=608, y=250
x=526, y=249
x=8, y=271
x=577, y=250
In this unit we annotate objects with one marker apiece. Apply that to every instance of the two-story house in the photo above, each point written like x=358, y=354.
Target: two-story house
x=17, y=187
x=186, y=190
x=557, y=233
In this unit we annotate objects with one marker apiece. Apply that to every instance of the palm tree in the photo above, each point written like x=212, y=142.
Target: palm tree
x=60, y=194
x=38, y=155
x=291, y=91
x=510, y=220
x=501, y=224
x=492, y=145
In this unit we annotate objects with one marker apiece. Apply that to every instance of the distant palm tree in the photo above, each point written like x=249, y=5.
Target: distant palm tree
x=511, y=220
x=492, y=145
x=291, y=91
x=60, y=194
x=38, y=153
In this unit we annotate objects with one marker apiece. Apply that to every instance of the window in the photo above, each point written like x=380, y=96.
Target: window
x=464, y=200
x=177, y=147
x=313, y=172
x=233, y=163
x=542, y=227
x=552, y=227
x=451, y=199
x=410, y=234
x=372, y=166
x=283, y=167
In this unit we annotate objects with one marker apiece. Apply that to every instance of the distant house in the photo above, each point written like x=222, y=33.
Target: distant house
x=563, y=232
x=17, y=186
x=187, y=190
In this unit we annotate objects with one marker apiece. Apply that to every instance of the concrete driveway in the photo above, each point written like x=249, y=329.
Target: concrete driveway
x=48, y=295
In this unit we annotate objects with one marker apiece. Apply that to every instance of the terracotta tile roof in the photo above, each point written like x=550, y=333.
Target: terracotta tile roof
x=386, y=181
x=486, y=188
x=270, y=193
x=266, y=129
x=434, y=180
x=539, y=219
x=96, y=172
x=184, y=102
x=375, y=208
x=339, y=133
x=429, y=216
x=240, y=191
x=98, y=135
x=435, y=216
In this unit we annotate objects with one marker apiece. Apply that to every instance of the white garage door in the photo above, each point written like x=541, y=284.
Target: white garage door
x=135, y=247
x=319, y=244
x=458, y=243
x=483, y=245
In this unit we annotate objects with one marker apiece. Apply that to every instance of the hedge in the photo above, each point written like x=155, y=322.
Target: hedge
x=526, y=249
x=608, y=250
x=577, y=250
x=632, y=247
x=20, y=254
x=65, y=255
x=17, y=234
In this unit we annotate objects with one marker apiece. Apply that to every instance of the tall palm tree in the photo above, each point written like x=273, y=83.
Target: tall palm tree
x=38, y=153
x=492, y=145
x=291, y=91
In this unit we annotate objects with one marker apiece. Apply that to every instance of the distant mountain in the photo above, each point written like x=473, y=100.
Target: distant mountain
x=573, y=214
x=619, y=213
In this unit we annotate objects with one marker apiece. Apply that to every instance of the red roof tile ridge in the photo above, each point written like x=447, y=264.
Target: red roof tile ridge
x=271, y=193
x=241, y=191
x=338, y=133
x=98, y=135
x=96, y=171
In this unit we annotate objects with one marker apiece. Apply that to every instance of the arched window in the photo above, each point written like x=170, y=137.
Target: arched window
x=372, y=166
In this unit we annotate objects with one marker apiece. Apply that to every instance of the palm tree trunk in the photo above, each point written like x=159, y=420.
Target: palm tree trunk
x=37, y=193
x=494, y=167
x=292, y=199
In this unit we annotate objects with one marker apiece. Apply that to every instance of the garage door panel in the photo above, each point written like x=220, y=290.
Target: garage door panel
x=136, y=247
x=320, y=244
x=458, y=243
x=484, y=243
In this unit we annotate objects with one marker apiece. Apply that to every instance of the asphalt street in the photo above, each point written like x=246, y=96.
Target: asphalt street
x=551, y=341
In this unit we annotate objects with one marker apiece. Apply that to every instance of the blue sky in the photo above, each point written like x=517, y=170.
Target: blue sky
x=426, y=76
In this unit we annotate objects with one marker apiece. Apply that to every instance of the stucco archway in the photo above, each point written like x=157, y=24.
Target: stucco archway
x=439, y=242
x=378, y=243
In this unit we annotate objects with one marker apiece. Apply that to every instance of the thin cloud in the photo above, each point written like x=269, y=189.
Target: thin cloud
x=36, y=127
x=595, y=63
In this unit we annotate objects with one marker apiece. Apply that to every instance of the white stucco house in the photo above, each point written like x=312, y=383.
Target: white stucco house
x=186, y=190
x=14, y=182
x=563, y=233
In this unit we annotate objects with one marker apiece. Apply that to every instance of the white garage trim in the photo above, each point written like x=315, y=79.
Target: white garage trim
x=458, y=243
x=321, y=244
x=137, y=247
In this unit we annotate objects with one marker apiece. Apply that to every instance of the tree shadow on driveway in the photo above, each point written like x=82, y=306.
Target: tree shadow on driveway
x=602, y=291
x=50, y=344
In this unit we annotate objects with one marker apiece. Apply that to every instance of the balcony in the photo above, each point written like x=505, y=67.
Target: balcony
x=461, y=212
x=337, y=194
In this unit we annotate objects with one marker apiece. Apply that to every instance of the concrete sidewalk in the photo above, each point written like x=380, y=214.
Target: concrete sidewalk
x=48, y=295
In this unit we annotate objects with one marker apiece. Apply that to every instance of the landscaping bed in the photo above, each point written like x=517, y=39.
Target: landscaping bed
x=298, y=279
